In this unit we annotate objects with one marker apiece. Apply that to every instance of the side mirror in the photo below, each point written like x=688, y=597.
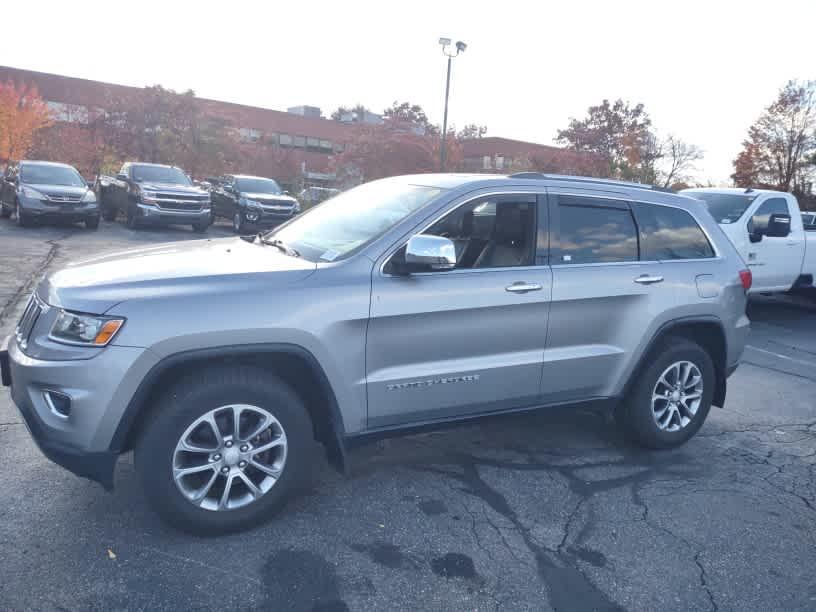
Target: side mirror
x=779, y=225
x=122, y=177
x=430, y=252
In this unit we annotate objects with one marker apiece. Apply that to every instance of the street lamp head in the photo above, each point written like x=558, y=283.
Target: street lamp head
x=460, y=46
x=444, y=41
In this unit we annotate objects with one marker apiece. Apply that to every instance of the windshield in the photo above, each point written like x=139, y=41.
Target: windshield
x=159, y=174
x=51, y=175
x=353, y=218
x=257, y=185
x=724, y=207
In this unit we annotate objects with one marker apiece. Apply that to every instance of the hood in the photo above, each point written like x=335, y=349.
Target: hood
x=186, y=189
x=195, y=267
x=278, y=198
x=60, y=190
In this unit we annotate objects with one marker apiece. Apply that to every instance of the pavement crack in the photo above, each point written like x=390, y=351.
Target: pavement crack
x=27, y=287
x=704, y=582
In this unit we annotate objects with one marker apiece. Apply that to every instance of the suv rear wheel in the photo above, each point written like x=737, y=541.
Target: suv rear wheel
x=225, y=449
x=671, y=398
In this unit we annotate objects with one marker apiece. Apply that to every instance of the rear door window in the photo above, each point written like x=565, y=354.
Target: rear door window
x=595, y=230
x=670, y=233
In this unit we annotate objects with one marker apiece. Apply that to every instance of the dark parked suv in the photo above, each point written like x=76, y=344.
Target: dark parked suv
x=251, y=201
x=154, y=194
x=407, y=302
x=47, y=191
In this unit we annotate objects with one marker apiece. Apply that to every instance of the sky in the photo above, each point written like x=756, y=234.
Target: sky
x=703, y=70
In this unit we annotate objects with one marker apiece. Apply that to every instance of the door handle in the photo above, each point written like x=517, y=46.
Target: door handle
x=792, y=243
x=522, y=287
x=645, y=279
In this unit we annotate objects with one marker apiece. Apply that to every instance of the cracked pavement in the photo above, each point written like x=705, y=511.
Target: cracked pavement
x=542, y=511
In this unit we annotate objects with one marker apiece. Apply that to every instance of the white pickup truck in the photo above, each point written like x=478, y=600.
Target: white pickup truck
x=766, y=227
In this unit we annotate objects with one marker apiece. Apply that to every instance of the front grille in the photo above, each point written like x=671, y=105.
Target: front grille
x=32, y=312
x=180, y=202
x=65, y=198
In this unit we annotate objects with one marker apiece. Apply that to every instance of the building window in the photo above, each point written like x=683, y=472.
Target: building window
x=70, y=113
x=300, y=142
x=486, y=165
x=499, y=162
x=285, y=140
x=249, y=134
x=326, y=146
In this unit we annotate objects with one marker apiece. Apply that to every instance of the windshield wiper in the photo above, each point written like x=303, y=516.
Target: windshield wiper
x=277, y=242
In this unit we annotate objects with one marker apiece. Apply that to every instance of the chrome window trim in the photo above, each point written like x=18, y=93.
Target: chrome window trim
x=712, y=243
x=390, y=253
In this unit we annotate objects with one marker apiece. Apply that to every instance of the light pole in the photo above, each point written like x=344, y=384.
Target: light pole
x=460, y=48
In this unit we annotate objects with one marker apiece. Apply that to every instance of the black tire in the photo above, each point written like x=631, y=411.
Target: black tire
x=5, y=212
x=193, y=397
x=635, y=413
x=132, y=220
x=23, y=220
x=92, y=223
x=108, y=212
x=200, y=228
x=238, y=223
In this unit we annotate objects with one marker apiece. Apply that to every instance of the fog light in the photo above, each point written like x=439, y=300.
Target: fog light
x=58, y=403
x=252, y=216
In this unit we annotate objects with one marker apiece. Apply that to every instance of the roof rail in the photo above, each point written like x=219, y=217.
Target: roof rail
x=588, y=179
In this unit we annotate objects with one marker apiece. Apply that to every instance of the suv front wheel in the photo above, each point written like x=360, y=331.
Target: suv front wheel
x=225, y=449
x=672, y=396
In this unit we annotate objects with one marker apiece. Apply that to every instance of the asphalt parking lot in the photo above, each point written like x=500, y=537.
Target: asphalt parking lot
x=542, y=511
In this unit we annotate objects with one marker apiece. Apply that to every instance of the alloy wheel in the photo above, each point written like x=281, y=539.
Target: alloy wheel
x=677, y=395
x=229, y=457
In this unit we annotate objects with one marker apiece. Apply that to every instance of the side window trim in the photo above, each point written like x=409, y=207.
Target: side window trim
x=531, y=197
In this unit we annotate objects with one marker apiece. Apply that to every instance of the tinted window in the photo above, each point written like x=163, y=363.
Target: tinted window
x=159, y=174
x=724, y=207
x=257, y=185
x=670, y=233
x=759, y=221
x=491, y=232
x=37, y=174
x=595, y=234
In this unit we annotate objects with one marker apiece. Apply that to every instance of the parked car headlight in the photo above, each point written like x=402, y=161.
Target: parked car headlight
x=148, y=197
x=89, y=197
x=296, y=208
x=250, y=204
x=90, y=330
x=28, y=192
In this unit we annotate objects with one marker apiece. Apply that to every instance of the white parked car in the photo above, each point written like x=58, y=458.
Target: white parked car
x=768, y=230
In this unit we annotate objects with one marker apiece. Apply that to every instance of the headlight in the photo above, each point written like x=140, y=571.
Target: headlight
x=296, y=208
x=32, y=193
x=89, y=197
x=148, y=197
x=249, y=203
x=90, y=330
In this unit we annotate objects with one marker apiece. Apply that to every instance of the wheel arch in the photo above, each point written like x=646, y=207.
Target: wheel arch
x=295, y=365
x=708, y=332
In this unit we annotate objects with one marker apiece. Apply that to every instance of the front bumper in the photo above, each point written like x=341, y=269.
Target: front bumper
x=99, y=389
x=154, y=214
x=58, y=211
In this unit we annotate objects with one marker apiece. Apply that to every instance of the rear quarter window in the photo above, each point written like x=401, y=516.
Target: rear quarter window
x=670, y=233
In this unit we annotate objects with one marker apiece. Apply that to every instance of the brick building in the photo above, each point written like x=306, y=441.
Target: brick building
x=307, y=139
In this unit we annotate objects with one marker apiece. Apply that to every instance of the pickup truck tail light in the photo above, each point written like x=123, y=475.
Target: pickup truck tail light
x=747, y=279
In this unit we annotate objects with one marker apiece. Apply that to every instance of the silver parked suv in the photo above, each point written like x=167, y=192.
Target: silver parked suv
x=406, y=302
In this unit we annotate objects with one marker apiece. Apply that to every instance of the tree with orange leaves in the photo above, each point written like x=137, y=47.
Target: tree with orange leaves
x=22, y=113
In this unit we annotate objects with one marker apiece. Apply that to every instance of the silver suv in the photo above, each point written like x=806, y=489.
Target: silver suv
x=406, y=302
